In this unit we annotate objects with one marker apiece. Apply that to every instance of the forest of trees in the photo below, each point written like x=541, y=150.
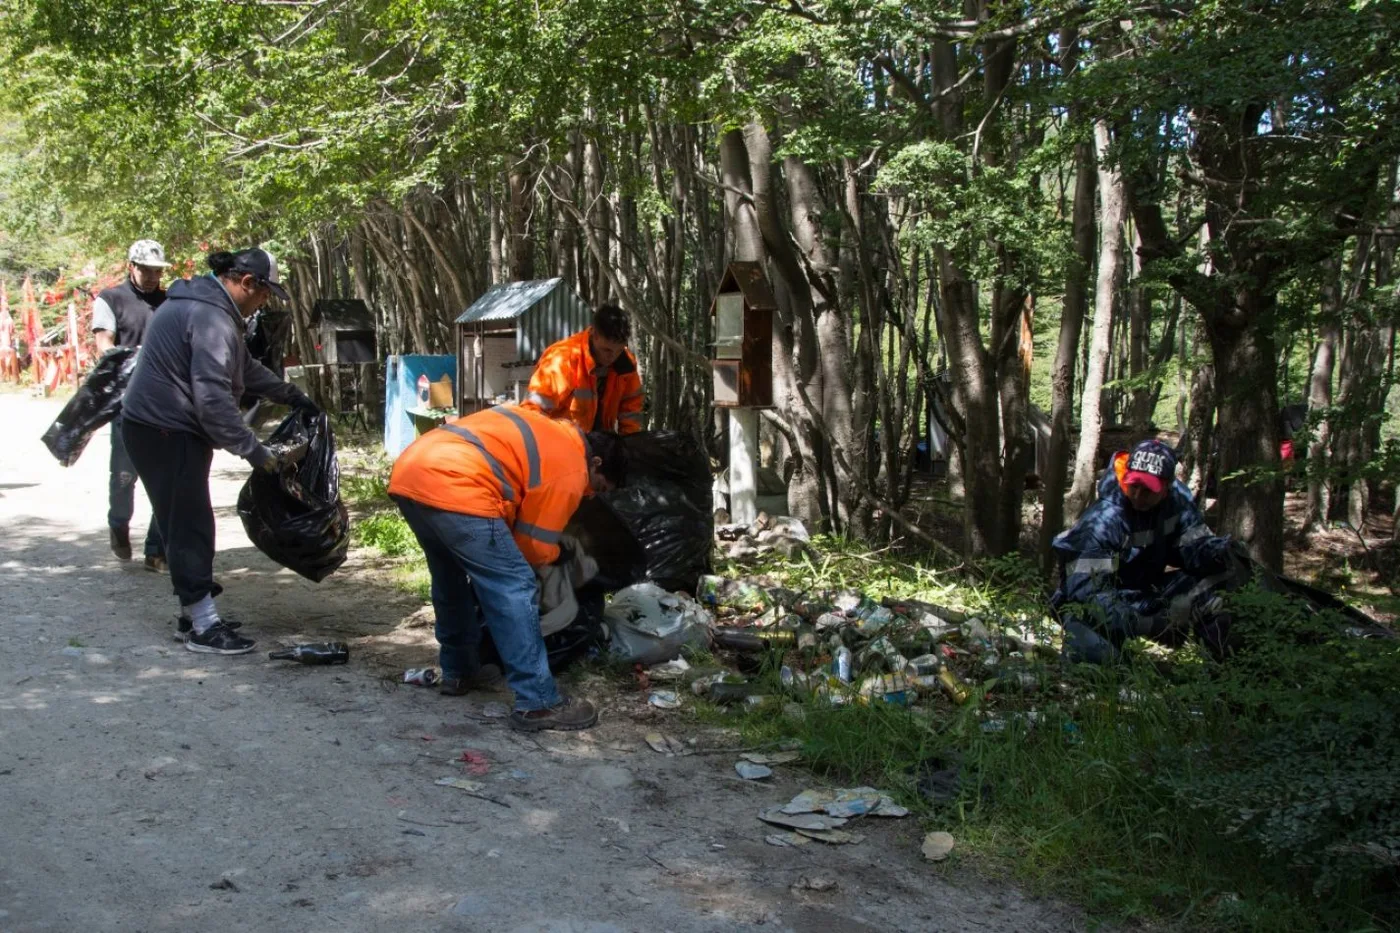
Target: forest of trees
x=1189, y=201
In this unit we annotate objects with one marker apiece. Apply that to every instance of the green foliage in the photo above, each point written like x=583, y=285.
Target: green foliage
x=1260, y=794
x=979, y=212
x=388, y=532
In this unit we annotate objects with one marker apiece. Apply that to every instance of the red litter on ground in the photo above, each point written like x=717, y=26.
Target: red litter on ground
x=477, y=763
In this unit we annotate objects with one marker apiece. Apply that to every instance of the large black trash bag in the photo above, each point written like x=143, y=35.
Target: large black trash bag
x=603, y=535
x=668, y=505
x=297, y=518
x=97, y=401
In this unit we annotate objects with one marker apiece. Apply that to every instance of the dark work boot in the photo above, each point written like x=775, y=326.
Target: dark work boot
x=568, y=716
x=120, y=540
x=487, y=677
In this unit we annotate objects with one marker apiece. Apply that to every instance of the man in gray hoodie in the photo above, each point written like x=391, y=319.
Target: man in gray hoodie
x=181, y=403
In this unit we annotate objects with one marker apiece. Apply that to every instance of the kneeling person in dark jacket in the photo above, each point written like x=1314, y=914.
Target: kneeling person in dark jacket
x=181, y=403
x=1114, y=582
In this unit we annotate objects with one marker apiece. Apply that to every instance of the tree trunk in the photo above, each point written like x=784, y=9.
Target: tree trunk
x=522, y=240
x=1199, y=441
x=1067, y=351
x=1251, y=501
x=1111, y=197
x=1319, y=501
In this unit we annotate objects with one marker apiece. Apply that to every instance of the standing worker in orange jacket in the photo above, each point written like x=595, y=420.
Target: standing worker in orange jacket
x=488, y=496
x=591, y=378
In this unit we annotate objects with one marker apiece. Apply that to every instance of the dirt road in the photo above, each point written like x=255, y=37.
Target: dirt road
x=145, y=788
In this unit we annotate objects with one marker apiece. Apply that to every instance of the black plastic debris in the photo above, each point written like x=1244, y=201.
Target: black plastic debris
x=97, y=401
x=296, y=517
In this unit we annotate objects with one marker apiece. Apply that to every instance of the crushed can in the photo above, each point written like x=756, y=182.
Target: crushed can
x=953, y=685
x=422, y=676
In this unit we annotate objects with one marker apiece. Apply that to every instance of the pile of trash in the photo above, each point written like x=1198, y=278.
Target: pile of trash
x=845, y=647
x=783, y=535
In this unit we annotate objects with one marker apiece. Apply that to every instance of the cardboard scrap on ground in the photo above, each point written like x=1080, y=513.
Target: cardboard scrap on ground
x=937, y=845
x=845, y=802
x=817, y=821
x=666, y=744
x=785, y=840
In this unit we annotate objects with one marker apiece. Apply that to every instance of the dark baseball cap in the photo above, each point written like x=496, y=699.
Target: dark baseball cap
x=1151, y=464
x=260, y=265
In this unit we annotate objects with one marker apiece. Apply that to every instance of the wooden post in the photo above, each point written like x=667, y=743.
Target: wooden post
x=743, y=465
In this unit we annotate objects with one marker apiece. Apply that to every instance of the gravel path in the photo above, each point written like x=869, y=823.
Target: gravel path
x=145, y=788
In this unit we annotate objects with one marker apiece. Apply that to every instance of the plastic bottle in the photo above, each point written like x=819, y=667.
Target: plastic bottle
x=841, y=664
x=326, y=652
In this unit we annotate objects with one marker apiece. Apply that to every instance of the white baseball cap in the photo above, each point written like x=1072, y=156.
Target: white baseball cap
x=147, y=253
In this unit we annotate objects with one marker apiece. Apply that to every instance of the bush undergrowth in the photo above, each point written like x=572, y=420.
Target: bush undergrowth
x=1260, y=794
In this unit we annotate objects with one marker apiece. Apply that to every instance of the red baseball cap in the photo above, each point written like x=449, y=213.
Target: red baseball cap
x=1151, y=464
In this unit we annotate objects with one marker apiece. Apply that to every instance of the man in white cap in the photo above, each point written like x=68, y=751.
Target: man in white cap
x=119, y=318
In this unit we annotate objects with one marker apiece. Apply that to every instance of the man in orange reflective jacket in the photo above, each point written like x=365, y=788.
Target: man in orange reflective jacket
x=488, y=497
x=591, y=378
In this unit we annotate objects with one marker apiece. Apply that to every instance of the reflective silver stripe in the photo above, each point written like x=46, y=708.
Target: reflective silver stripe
x=546, y=404
x=637, y=394
x=1170, y=524
x=1209, y=583
x=1093, y=565
x=538, y=533
x=630, y=416
x=507, y=492
x=1143, y=538
x=532, y=449
x=584, y=394
x=1194, y=533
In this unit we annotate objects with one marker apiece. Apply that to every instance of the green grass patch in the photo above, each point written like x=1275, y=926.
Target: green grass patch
x=1262, y=794
x=388, y=533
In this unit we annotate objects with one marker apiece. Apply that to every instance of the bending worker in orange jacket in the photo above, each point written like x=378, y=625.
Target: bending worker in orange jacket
x=488, y=497
x=591, y=378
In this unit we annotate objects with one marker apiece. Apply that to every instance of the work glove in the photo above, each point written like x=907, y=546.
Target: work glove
x=303, y=402
x=275, y=462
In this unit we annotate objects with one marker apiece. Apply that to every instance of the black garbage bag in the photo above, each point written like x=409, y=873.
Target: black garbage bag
x=676, y=536
x=97, y=401
x=603, y=535
x=672, y=457
x=668, y=505
x=297, y=518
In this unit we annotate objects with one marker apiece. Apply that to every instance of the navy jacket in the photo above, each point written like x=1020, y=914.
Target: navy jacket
x=1115, y=558
x=194, y=366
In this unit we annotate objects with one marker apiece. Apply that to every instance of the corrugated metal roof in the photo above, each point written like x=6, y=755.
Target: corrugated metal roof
x=508, y=300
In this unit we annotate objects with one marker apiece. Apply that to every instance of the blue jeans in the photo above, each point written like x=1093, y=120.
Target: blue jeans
x=479, y=573
x=121, y=493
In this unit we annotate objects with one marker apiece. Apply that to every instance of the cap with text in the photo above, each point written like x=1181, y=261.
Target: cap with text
x=1152, y=464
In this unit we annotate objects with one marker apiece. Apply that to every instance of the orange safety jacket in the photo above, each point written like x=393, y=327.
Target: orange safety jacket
x=505, y=462
x=565, y=386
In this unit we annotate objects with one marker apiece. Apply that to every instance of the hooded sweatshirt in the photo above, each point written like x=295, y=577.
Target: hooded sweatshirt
x=194, y=366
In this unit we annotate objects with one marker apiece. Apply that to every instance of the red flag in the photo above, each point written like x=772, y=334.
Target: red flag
x=33, y=328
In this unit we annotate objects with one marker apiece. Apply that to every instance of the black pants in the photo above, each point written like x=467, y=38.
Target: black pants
x=174, y=469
